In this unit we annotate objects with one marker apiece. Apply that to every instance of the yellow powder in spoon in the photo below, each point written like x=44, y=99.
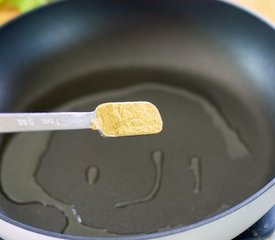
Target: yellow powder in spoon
x=127, y=119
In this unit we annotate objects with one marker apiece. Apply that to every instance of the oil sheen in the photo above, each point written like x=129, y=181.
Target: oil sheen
x=126, y=180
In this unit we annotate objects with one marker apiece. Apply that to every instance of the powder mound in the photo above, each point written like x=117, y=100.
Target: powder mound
x=127, y=119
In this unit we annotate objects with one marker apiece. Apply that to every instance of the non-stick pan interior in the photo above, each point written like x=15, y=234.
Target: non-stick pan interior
x=216, y=146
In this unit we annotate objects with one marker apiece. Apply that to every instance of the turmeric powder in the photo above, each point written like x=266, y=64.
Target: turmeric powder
x=127, y=119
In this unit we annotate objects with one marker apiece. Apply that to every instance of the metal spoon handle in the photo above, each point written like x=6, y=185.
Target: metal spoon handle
x=22, y=122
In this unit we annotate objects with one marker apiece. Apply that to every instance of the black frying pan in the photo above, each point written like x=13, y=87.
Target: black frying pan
x=208, y=66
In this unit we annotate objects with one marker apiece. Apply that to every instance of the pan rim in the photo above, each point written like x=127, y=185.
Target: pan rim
x=250, y=11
